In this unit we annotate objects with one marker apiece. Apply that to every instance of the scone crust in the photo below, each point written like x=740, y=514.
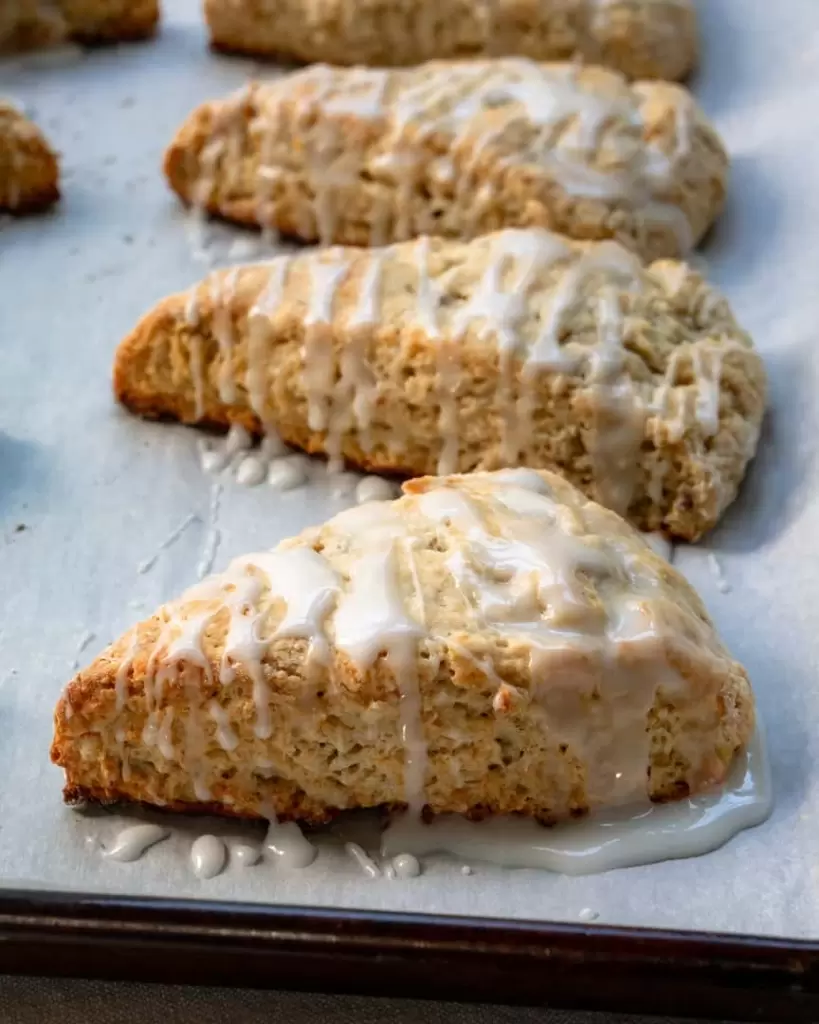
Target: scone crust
x=105, y=21
x=685, y=475
x=297, y=156
x=640, y=38
x=29, y=173
x=31, y=24
x=335, y=737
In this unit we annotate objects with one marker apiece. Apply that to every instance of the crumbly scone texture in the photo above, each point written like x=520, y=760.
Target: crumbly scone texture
x=363, y=156
x=518, y=348
x=29, y=24
x=29, y=174
x=493, y=643
x=640, y=38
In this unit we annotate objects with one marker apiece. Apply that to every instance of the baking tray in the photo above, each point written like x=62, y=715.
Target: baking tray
x=88, y=494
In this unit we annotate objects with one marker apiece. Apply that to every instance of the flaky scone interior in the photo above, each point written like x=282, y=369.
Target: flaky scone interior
x=490, y=643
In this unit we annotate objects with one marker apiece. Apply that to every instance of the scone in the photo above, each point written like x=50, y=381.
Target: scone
x=361, y=156
x=641, y=38
x=518, y=348
x=26, y=24
x=492, y=643
x=28, y=167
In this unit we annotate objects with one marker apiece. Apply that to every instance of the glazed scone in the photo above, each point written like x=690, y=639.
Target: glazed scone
x=27, y=24
x=29, y=174
x=361, y=156
x=640, y=38
x=518, y=348
x=492, y=643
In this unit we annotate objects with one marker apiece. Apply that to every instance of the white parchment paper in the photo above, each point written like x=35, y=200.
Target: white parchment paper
x=87, y=492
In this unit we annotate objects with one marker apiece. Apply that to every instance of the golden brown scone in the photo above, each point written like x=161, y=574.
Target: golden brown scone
x=492, y=643
x=640, y=38
x=29, y=172
x=433, y=356
x=103, y=21
x=362, y=156
x=27, y=24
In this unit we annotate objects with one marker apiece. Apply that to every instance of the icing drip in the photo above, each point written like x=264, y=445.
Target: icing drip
x=208, y=856
x=427, y=299
x=132, y=842
x=319, y=363
x=371, y=618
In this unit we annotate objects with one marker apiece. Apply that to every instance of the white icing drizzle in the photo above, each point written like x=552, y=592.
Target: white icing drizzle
x=225, y=736
x=208, y=856
x=287, y=843
x=319, y=363
x=172, y=537
x=363, y=860
x=132, y=842
x=213, y=536
x=223, y=289
x=372, y=617
x=85, y=640
x=723, y=586
x=260, y=320
x=121, y=681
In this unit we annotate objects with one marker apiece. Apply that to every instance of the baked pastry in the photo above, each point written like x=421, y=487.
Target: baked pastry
x=641, y=38
x=362, y=156
x=28, y=166
x=26, y=24
x=492, y=643
x=431, y=356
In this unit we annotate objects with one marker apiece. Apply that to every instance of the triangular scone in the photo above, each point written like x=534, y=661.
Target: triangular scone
x=27, y=24
x=434, y=356
x=486, y=643
x=363, y=156
x=641, y=38
x=28, y=167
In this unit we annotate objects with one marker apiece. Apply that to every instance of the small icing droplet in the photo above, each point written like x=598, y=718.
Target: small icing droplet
x=245, y=855
x=375, y=488
x=342, y=484
x=238, y=440
x=208, y=856
x=406, y=866
x=252, y=471
x=273, y=447
x=132, y=842
x=587, y=914
x=288, y=845
x=287, y=474
x=363, y=859
x=212, y=460
x=467, y=870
